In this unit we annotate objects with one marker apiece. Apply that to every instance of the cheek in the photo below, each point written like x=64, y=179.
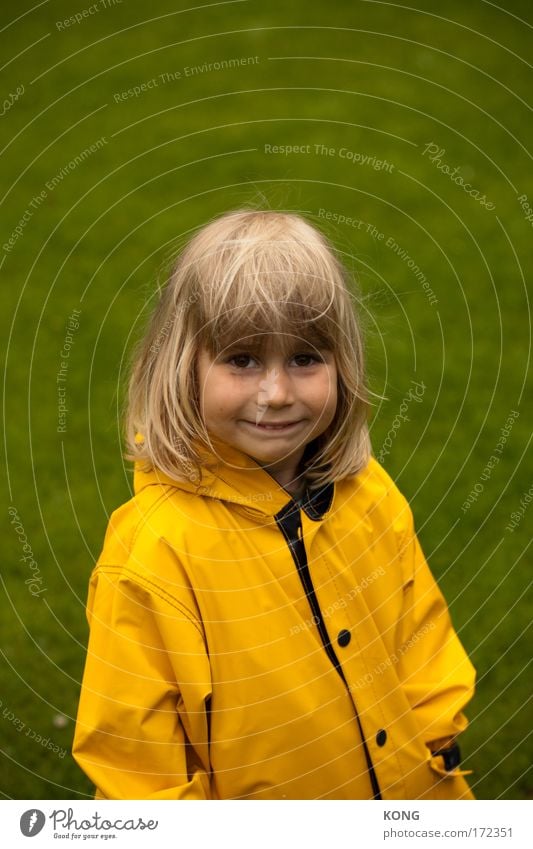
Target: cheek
x=209, y=400
x=329, y=403
x=221, y=398
x=327, y=392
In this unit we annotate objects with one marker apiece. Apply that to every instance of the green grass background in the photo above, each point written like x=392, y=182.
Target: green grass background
x=375, y=78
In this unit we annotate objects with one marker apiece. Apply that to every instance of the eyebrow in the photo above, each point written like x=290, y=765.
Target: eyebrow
x=256, y=351
x=258, y=347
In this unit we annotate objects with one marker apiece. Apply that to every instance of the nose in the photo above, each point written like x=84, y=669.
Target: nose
x=275, y=388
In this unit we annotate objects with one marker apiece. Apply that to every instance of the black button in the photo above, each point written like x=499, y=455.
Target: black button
x=381, y=737
x=343, y=637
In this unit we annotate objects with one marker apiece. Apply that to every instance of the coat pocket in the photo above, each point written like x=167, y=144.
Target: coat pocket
x=449, y=784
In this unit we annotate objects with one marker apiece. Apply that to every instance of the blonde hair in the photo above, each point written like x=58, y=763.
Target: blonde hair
x=249, y=273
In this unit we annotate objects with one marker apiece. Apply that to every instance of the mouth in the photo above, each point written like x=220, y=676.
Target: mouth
x=277, y=427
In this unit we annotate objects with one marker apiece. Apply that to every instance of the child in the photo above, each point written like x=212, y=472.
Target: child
x=263, y=624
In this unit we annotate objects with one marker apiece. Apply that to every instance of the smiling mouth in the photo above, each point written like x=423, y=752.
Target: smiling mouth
x=281, y=427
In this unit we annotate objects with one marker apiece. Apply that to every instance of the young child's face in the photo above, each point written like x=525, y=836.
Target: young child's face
x=270, y=406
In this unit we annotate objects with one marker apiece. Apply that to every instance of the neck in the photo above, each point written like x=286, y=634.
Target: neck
x=296, y=487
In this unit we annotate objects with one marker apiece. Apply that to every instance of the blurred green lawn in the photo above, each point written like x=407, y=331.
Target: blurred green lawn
x=375, y=80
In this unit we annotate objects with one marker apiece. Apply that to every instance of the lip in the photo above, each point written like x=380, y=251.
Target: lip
x=274, y=427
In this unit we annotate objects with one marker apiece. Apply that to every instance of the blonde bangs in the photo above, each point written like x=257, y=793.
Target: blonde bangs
x=244, y=279
x=261, y=279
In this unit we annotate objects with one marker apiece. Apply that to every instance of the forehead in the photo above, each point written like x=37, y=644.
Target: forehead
x=261, y=344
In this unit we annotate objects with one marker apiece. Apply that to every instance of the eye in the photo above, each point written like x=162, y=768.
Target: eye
x=310, y=359
x=239, y=360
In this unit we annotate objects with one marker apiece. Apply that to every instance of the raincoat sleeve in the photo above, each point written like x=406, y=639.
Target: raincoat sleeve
x=140, y=735
x=436, y=673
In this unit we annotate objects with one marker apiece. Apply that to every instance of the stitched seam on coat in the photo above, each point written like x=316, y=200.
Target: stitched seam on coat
x=156, y=589
x=164, y=496
x=403, y=543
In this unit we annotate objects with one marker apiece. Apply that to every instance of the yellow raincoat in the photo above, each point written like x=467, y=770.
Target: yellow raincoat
x=247, y=646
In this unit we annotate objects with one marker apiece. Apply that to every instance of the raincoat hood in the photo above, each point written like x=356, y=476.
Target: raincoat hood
x=231, y=476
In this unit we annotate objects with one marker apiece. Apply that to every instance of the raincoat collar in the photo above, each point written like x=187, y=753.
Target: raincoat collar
x=237, y=478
